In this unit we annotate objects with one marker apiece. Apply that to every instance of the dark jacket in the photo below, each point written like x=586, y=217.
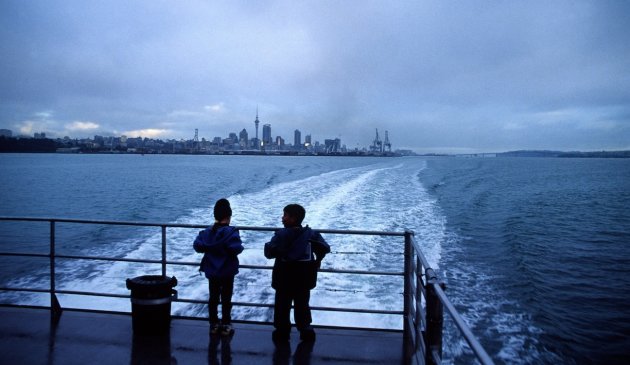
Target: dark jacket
x=298, y=252
x=220, y=247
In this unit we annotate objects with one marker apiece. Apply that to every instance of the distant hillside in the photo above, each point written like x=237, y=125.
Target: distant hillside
x=597, y=154
x=27, y=145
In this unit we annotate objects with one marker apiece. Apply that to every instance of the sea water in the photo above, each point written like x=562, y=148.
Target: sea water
x=534, y=251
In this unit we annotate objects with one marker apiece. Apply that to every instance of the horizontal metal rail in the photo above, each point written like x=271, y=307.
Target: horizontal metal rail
x=147, y=261
x=34, y=290
x=198, y=301
x=187, y=225
x=24, y=254
x=423, y=340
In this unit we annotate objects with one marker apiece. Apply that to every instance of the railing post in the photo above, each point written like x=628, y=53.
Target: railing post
x=418, y=299
x=435, y=319
x=55, y=307
x=407, y=294
x=163, y=250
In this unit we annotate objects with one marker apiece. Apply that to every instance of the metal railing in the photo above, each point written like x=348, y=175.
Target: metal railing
x=423, y=328
x=422, y=321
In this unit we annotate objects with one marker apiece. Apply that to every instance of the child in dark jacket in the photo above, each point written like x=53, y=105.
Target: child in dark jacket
x=299, y=252
x=220, y=244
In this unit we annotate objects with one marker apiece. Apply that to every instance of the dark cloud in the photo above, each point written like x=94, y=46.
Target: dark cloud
x=469, y=76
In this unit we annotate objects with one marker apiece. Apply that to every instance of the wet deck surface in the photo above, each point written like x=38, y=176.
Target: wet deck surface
x=27, y=337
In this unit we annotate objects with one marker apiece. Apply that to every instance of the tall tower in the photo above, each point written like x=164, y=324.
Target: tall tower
x=257, y=121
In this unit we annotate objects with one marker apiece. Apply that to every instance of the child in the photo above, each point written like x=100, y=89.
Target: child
x=299, y=252
x=220, y=245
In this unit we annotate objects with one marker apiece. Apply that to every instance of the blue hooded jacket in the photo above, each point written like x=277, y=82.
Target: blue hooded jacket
x=220, y=247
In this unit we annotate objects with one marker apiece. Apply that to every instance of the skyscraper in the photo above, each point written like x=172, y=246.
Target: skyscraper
x=242, y=139
x=297, y=140
x=307, y=142
x=266, y=137
x=280, y=142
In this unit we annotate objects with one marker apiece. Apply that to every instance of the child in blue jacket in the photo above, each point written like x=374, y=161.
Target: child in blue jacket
x=220, y=244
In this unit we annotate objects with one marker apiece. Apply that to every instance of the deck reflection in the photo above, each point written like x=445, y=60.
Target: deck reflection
x=27, y=336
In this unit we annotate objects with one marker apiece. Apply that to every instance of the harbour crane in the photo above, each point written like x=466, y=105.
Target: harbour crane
x=377, y=144
x=386, y=144
x=196, y=140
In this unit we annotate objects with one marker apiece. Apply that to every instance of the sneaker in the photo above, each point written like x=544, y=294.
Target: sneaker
x=227, y=330
x=215, y=328
x=307, y=334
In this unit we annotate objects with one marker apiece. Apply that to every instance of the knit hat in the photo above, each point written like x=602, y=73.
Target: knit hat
x=222, y=209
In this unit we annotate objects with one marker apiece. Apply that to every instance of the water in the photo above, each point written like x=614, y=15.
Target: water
x=534, y=252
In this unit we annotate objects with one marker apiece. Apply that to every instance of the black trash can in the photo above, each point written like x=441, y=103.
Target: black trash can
x=151, y=297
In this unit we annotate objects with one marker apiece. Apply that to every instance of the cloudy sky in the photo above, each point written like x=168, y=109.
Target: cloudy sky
x=440, y=76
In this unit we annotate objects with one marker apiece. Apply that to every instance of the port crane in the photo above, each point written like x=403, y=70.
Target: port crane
x=381, y=146
x=387, y=146
x=377, y=144
x=196, y=140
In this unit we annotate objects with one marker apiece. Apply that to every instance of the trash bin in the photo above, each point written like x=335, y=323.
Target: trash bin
x=151, y=297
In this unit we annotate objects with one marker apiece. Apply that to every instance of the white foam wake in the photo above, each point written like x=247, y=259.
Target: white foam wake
x=382, y=197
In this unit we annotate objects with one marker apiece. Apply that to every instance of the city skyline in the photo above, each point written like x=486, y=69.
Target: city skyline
x=231, y=142
x=242, y=138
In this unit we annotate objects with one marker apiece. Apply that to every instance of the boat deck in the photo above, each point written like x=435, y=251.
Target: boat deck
x=28, y=337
